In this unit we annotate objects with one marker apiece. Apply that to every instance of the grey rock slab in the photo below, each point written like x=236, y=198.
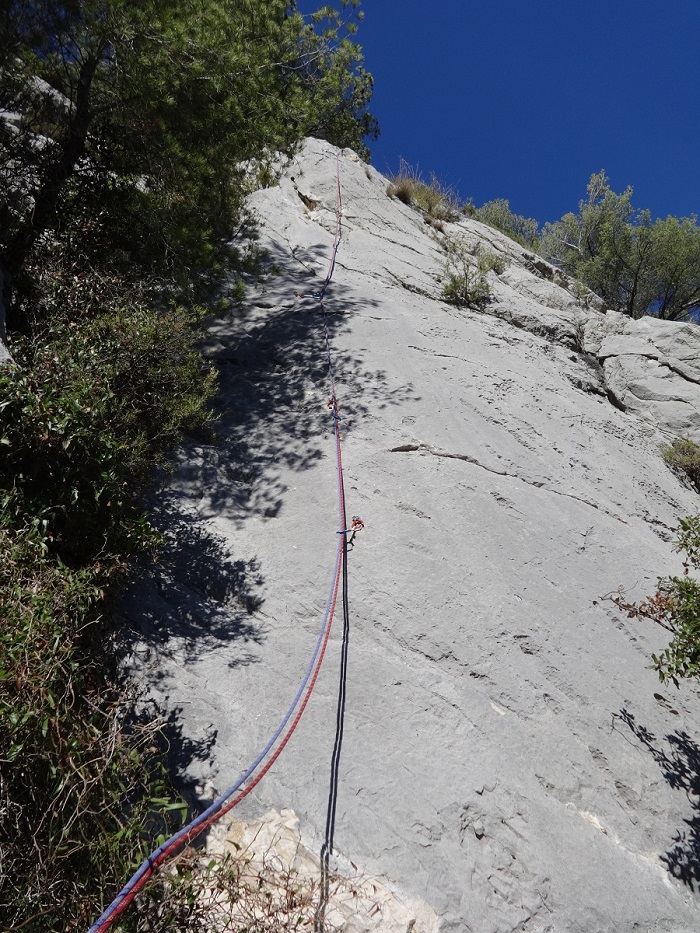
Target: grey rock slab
x=651, y=367
x=507, y=755
x=600, y=326
x=645, y=384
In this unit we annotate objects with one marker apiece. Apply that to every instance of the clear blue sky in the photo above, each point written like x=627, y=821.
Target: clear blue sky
x=504, y=98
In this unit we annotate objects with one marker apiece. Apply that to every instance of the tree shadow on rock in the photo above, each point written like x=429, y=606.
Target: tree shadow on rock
x=180, y=752
x=678, y=756
x=196, y=598
x=274, y=388
x=185, y=755
x=272, y=422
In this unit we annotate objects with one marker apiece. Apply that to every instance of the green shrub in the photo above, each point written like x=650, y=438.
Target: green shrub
x=82, y=794
x=86, y=414
x=676, y=607
x=684, y=455
x=490, y=261
x=497, y=213
x=464, y=275
x=467, y=288
x=109, y=382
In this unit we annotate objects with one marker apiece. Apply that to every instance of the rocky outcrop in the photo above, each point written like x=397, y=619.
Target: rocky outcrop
x=507, y=755
x=649, y=367
x=652, y=368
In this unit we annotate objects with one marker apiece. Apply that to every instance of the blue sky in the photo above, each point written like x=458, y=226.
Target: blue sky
x=503, y=98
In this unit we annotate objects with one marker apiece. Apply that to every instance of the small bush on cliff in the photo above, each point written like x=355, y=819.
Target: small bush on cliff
x=497, y=214
x=684, y=455
x=464, y=275
x=676, y=607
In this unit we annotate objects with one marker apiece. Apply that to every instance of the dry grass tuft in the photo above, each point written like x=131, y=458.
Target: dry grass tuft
x=437, y=200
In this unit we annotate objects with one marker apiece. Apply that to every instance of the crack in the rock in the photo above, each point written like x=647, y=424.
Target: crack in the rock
x=448, y=356
x=415, y=289
x=678, y=372
x=293, y=251
x=435, y=452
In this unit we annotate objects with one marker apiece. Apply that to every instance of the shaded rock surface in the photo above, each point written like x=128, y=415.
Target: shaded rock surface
x=507, y=755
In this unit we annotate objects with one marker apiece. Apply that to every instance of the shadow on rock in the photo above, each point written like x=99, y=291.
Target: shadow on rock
x=180, y=751
x=184, y=752
x=272, y=422
x=678, y=756
x=197, y=597
x=273, y=391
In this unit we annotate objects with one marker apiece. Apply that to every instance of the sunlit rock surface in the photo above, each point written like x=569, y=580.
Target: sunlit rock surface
x=282, y=872
x=507, y=756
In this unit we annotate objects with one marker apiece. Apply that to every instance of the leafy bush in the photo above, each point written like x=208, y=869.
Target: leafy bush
x=497, y=213
x=110, y=380
x=684, y=455
x=81, y=794
x=86, y=414
x=464, y=275
x=490, y=261
x=676, y=607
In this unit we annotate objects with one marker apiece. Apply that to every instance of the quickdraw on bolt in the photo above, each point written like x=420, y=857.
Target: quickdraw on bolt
x=356, y=525
x=332, y=406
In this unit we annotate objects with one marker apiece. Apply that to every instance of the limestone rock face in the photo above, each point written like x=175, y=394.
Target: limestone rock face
x=506, y=754
x=653, y=369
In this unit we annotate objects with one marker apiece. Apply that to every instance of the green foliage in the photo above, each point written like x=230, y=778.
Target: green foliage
x=638, y=266
x=684, y=455
x=336, y=87
x=108, y=382
x=162, y=106
x=490, y=261
x=89, y=408
x=676, y=607
x=498, y=214
x=79, y=788
x=465, y=275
